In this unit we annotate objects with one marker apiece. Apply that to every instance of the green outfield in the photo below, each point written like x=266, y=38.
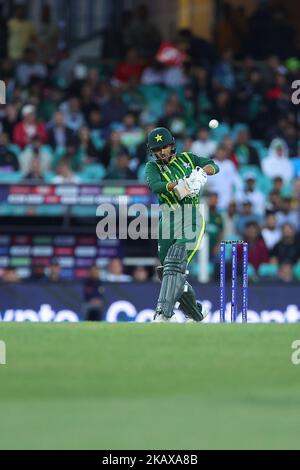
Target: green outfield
x=149, y=386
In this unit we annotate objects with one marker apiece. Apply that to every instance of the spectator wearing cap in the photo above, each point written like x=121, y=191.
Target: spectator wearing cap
x=253, y=195
x=277, y=163
x=204, y=145
x=28, y=128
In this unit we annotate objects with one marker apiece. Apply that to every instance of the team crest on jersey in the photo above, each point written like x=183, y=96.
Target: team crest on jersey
x=186, y=165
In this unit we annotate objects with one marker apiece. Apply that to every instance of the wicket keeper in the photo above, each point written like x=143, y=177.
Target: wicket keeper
x=177, y=180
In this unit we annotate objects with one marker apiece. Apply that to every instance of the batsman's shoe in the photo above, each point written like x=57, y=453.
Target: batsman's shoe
x=160, y=318
x=204, y=313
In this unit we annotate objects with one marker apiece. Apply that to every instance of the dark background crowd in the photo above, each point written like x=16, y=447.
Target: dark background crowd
x=80, y=121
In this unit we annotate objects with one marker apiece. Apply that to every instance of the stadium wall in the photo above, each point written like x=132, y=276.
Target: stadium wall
x=135, y=302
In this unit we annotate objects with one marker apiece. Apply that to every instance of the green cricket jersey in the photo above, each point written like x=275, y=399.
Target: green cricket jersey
x=158, y=176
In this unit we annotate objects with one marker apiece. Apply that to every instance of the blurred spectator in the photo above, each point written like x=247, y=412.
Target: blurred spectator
x=93, y=295
x=20, y=33
x=227, y=181
x=253, y=195
x=245, y=152
x=228, y=144
x=140, y=274
x=285, y=273
x=38, y=273
x=287, y=215
x=112, y=149
x=9, y=120
x=277, y=184
x=59, y=134
x=197, y=48
x=47, y=33
x=130, y=134
x=64, y=68
x=35, y=150
x=8, y=159
x=28, y=128
x=226, y=37
x=271, y=233
x=277, y=162
x=153, y=74
x=72, y=114
x=288, y=248
x=230, y=220
x=35, y=173
x=214, y=226
x=30, y=68
x=258, y=252
x=204, y=145
x=223, y=74
x=54, y=271
x=88, y=151
x=222, y=109
x=120, y=169
x=65, y=173
x=10, y=275
x=115, y=272
x=114, y=109
x=130, y=67
x=273, y=203
x=246, y=215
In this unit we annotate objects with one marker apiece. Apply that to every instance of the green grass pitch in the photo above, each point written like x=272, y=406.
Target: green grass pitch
x=149, y=386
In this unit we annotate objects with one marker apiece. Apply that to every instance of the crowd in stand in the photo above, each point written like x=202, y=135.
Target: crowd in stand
x=63, y=117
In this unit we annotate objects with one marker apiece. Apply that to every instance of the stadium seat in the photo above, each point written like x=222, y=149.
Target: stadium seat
x=246, y=169
x=268, y=270
x=92, y=173
x=10, y=177
x=220, y=132
x=141, y=173
x=296, y=271
x=296, y=165
x=251, y=271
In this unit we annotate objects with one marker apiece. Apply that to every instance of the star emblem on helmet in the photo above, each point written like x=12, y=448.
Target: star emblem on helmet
x=159, y=138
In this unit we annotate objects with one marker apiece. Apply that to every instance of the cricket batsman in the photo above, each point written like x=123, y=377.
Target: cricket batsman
x=177, y=180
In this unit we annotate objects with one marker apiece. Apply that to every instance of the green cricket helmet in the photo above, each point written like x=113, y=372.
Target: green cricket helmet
x=159, y=138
